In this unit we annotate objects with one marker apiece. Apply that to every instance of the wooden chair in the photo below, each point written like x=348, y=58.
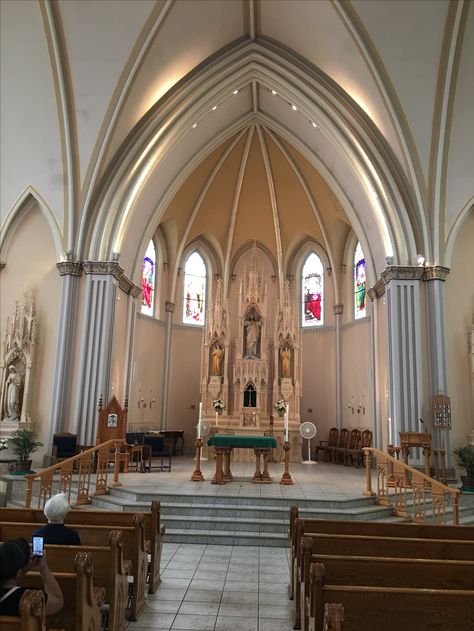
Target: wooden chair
x=135, y=444
x=356, y=455
x=340, y=448
x=353, y=444
x=112, y=424
x=326, y=446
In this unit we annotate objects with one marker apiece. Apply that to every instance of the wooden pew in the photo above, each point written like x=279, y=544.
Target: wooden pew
x=154, y=531
x=32, y=614
x=110, y=572
x=373, y=608
x=333, y=617
x=82, y=600
x=429, y=531
x=133, y=549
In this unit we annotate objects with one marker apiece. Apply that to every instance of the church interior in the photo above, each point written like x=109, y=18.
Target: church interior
x=235, y=217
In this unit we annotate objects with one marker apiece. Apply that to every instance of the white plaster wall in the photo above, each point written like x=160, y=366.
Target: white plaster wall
x=459, y=303
x=31, y=146
x=356, y=378
x=31, y=261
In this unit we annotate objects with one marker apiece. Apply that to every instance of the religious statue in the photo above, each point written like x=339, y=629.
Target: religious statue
x=253, y=335
x=12, y=395
x=285, y=356
x=217, y=353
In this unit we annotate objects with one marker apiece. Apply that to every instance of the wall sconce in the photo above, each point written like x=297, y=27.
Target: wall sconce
x=350, y=405
x=141, y=400
x=152, y=399
x=361, y=406
x=420, y=260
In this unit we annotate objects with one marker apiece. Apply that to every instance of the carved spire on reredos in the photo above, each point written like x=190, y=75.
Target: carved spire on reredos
x=286, y=323
x=253, y=289
x=218, y=316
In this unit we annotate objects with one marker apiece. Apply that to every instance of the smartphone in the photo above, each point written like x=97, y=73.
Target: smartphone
x=38, y=546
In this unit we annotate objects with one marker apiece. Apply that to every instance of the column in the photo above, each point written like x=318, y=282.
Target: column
x=338, y=311
x=402, y=286
x=169, y=308
x=134, y=293
x=434, y=278
x=96, y=343
x=70, y=272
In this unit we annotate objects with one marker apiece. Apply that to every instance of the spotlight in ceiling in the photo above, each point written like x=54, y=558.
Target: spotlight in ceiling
x=235, y=92
x=314, y=124
x=294, y=108
x=273, y=92
x=214, y=108
x=195, y=125
x=420, y=259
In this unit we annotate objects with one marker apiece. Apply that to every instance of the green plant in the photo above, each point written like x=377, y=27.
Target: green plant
x=24, y=443
x=465, y=459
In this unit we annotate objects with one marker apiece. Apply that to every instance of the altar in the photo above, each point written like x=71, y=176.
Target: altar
x=224, y=445
x=252, y=359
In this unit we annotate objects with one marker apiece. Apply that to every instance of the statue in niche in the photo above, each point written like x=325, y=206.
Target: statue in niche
x=11, y=404
x=217, y=353
x=252, y=328
x=285, y=357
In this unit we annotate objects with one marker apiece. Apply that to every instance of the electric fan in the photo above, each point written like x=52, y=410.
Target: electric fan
x=308, y=430
x=205, y=428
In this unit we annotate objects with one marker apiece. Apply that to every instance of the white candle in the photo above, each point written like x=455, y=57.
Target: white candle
x=216, y=418
x=286, y=424
x=390, y=431
x=199, y=421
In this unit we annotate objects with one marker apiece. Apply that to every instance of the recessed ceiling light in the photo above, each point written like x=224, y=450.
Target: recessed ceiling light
x=273, y=92
x=293, y=107
x=195, y=125
x=214, y=108
x=314, y=124
x=235, y=92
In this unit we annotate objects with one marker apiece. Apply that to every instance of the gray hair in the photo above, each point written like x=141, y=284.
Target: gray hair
x=56, y=508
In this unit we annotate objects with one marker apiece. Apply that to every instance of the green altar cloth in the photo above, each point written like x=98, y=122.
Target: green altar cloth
x=251, y=442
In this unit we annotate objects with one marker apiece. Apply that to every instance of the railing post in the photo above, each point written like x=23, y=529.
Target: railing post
x=455, y=503
x=368, y=473
x=116, y=481
x=29, y=491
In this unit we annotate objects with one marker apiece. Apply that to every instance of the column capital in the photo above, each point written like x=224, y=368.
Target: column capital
x=69, y=268
x=128, y=287
x=169, y=306
x=378, y=290
x=400, y=272
x=109, y=268
x=2, y=265
x=338, y=309
x=437, y=272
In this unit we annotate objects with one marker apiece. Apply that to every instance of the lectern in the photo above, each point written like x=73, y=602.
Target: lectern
x=416, y=439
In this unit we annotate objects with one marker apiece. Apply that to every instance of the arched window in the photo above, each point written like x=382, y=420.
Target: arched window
x=148, y=280
x=250, y=396
x=194, y=297
x=360, y=309
x=312, y=291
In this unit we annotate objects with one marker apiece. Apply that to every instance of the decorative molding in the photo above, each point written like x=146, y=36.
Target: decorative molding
x=2, y=265
x=437, y=272
x=69, y=268
x=378, y=290
x=400, y=272
x=318, y=329
x=169, y=306
x=109, y=268
x=353, y=323
x=343, y=268
x=338, y=309
x=128, y=287
x=149, y=318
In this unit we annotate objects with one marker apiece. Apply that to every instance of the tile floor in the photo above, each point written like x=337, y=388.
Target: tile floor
x=220, y=588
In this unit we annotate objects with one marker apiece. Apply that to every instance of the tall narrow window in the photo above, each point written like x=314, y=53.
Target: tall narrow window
x=312, y=292
x=360, y=310
x=194, y=290
x=148, y=280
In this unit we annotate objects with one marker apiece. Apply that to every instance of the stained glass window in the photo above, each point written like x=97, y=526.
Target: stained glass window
x=313, y=291
x=360, y=310
x=148, y=280
x=194, y=290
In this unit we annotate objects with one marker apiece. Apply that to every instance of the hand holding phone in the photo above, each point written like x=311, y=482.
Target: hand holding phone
x=38, y=546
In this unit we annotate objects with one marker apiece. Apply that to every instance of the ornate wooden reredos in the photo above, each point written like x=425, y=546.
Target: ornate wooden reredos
x=112, y=420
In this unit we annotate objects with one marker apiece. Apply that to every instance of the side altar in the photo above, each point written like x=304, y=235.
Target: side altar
x=251, y=357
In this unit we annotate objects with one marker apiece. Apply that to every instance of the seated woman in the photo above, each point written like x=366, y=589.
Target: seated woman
x=14, y=563
x=55, y=532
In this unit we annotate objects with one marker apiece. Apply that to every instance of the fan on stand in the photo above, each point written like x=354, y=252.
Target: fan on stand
x=205, y=429
x=308, y=430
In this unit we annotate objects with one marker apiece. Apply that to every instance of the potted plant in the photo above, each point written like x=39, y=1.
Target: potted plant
x=218, y=405
x=465, y=460
x=24, y=443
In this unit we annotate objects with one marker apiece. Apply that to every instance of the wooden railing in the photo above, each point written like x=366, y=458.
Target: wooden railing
x=402, y=477
x=91, y=461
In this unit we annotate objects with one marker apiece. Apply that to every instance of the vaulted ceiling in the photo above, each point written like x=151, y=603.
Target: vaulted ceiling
x=275, y=120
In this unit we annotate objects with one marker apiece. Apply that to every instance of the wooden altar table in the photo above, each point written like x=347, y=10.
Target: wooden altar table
x=223, y=445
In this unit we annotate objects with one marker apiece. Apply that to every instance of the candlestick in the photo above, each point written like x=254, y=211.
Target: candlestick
x=199, y=421
x=286, y=424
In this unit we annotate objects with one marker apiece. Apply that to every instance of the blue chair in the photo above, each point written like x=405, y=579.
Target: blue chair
x=155, y=447
x=64, y=446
